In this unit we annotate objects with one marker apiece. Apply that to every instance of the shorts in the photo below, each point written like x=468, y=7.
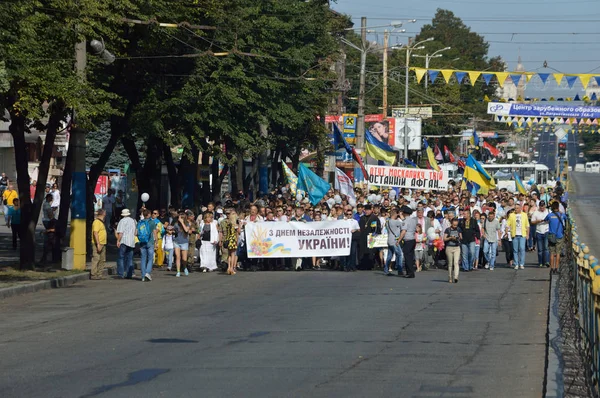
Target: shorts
x=181, y=246
x=557, y=247
x=419, y=255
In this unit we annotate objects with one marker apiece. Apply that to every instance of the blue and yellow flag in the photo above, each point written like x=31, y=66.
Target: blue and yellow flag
x=378, y=149
x=431, y=156
x=519, y=185
x=291, y=178
x=410, y=163
x=476, y=174
x=475, y=139
x=312, y=184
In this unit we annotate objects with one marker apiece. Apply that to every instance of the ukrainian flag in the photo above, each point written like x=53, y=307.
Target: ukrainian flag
x=519, y=184
x=477, y=176
x=379, y=150
x=475, y=139
x=431, y=156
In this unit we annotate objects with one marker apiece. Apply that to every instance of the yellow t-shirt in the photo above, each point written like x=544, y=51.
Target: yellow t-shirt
x=10, y=196
x=98, y=226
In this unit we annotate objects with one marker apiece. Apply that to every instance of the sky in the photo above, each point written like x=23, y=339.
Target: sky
x=566, y=34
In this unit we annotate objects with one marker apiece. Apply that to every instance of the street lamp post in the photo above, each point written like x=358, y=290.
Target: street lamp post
x=428, y=58
x=409, y=50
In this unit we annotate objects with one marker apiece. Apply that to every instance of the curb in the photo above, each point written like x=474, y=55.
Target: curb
x=553, y=378
x=43, y=285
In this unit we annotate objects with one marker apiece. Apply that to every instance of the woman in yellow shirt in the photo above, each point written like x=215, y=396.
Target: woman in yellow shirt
x=519, y=229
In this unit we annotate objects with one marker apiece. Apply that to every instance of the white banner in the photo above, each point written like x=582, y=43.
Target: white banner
x=344, y=184
x=298, y=239
x=404, y=177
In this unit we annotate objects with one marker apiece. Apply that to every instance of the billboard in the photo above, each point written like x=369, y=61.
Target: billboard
x=413, y=126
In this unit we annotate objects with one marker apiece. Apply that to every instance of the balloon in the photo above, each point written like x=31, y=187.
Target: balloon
x=305, y=200
x=145, y=197
x=392, y=194
x=431, y=235
x=337, y=198
x=352, y=202
x=378, y=198
x=299, y=197
x=331, y=202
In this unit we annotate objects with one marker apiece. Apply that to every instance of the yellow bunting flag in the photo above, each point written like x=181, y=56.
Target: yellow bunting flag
x=558, y=77
x=473, y=76
x=447, y=73
x=501, y=76
x=585, y=79
x=420, y=72
x=528, y=76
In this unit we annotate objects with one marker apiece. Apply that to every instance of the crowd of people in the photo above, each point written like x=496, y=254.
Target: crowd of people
x=451, y=229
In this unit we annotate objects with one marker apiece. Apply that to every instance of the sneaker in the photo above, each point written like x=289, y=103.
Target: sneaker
x=492, y=268
x=541, y=265
x=169, y=269
x=186, y=272
x=148, y=277
x=144, y=279
x=521, y=267
x=487, y=266
x=516, y=267
x=204, y=270
x=178, y=274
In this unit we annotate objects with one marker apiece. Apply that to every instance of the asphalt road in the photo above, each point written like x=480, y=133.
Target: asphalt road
x=584, y=200
x=546, y=146
x=280, y=334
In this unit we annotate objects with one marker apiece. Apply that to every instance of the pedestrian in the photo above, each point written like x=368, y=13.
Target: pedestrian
x=47, y=212
x=50, y=245
x=32, y=188
x=349, y=261
x=394, y=228
x=168, y=246
x=538, y=219
x=209, y=236
x=452, y=238
x=420, y=243
x=181, y=242
x=369, y=225
x=108, y=205
x=409, y=227
x=147, y=236
x=99, y=240
x=491, y=230
x=556, y=233
x=230, y=227
x=469, y=233
x=159, y=255
x=519, y=229
x=8, y=197
x=55, y=199
x=126, y=230
x=506, y=238
x=3, y=183
x=14, y=221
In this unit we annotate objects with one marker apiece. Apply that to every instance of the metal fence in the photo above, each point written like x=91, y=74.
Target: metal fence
x=577, y=301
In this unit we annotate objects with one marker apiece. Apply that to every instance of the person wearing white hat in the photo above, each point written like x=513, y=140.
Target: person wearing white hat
x=125, y=243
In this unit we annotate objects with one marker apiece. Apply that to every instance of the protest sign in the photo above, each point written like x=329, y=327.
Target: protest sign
x=404, y=177
x=298, y=239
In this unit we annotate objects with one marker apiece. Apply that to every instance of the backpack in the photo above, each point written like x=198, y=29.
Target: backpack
x=143, y=231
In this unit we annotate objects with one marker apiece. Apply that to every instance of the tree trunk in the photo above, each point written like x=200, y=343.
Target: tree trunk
x=151, y=172
x=275, y=167
x=65, y=193
x=174, y=184
x=205, y=182
x=216, y=180
x=240, y=174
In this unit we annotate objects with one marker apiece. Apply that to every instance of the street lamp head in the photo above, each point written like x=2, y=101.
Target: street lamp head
x=412, y=20
x=430, y=39
x=99, y=50
x=396, y=24
x=447, y=48
x=419, y=48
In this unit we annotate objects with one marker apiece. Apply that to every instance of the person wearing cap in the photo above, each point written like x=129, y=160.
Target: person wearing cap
x=407, y=235
x=473, y=205
x=126, y=230
x=538, y=218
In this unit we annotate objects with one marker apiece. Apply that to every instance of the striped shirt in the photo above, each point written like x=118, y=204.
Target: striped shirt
x=127, y=227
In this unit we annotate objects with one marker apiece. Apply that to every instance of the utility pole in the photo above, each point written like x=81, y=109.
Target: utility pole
x=386, y=39
x=360, y=125
x=78, y=235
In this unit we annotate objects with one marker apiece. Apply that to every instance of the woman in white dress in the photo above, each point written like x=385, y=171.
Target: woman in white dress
x=209, y=235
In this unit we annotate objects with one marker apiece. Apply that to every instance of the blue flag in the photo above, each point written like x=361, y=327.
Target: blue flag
x=312, y=184
x=410, y=163
x=339, y=141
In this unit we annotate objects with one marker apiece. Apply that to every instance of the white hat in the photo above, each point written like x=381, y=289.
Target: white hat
x=472, y=200
x=125, y=213
x=220, y=211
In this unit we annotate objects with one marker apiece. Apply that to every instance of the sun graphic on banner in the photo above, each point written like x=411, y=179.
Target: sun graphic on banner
x=262, y=246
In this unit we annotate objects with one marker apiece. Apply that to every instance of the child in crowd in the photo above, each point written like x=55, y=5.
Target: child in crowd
x=168, y=247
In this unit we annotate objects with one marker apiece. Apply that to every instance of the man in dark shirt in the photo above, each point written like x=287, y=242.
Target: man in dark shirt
x=407, y=235
x=369, y=224
x=470, y=231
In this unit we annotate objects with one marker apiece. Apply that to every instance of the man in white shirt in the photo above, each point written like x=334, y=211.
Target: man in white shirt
x=126, y=231
x=541, y=233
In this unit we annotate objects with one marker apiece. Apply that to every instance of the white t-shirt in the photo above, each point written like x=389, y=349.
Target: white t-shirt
x=542, y=227
x=55, y=198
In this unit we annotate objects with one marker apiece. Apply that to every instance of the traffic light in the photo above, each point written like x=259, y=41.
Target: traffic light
x=562, y=149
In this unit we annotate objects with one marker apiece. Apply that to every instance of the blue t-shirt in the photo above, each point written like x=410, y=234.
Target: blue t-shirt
x=15, y=215
x=555, y=224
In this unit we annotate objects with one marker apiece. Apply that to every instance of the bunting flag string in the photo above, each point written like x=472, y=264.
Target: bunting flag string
x=585, y=98
x=530, y=120
x=503, y=77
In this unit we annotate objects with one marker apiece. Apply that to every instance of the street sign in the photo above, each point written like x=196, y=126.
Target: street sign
x=560, y=133
x=422, y=112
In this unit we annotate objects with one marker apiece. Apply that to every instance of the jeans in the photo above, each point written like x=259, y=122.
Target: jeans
x=147, y=250
x=169, y=253
x=490, y=249
x=542, y=249
x=519, y=250
x=397, y=250
x=5, y=211
x=16, y=233
x=125, y=261
x=409, y=256
x=467, y=255
x=531, y=238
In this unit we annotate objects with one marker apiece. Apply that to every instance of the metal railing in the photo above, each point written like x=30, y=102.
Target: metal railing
x=577, y=300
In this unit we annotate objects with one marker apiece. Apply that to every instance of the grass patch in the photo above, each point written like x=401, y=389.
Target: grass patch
x=11, y=275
